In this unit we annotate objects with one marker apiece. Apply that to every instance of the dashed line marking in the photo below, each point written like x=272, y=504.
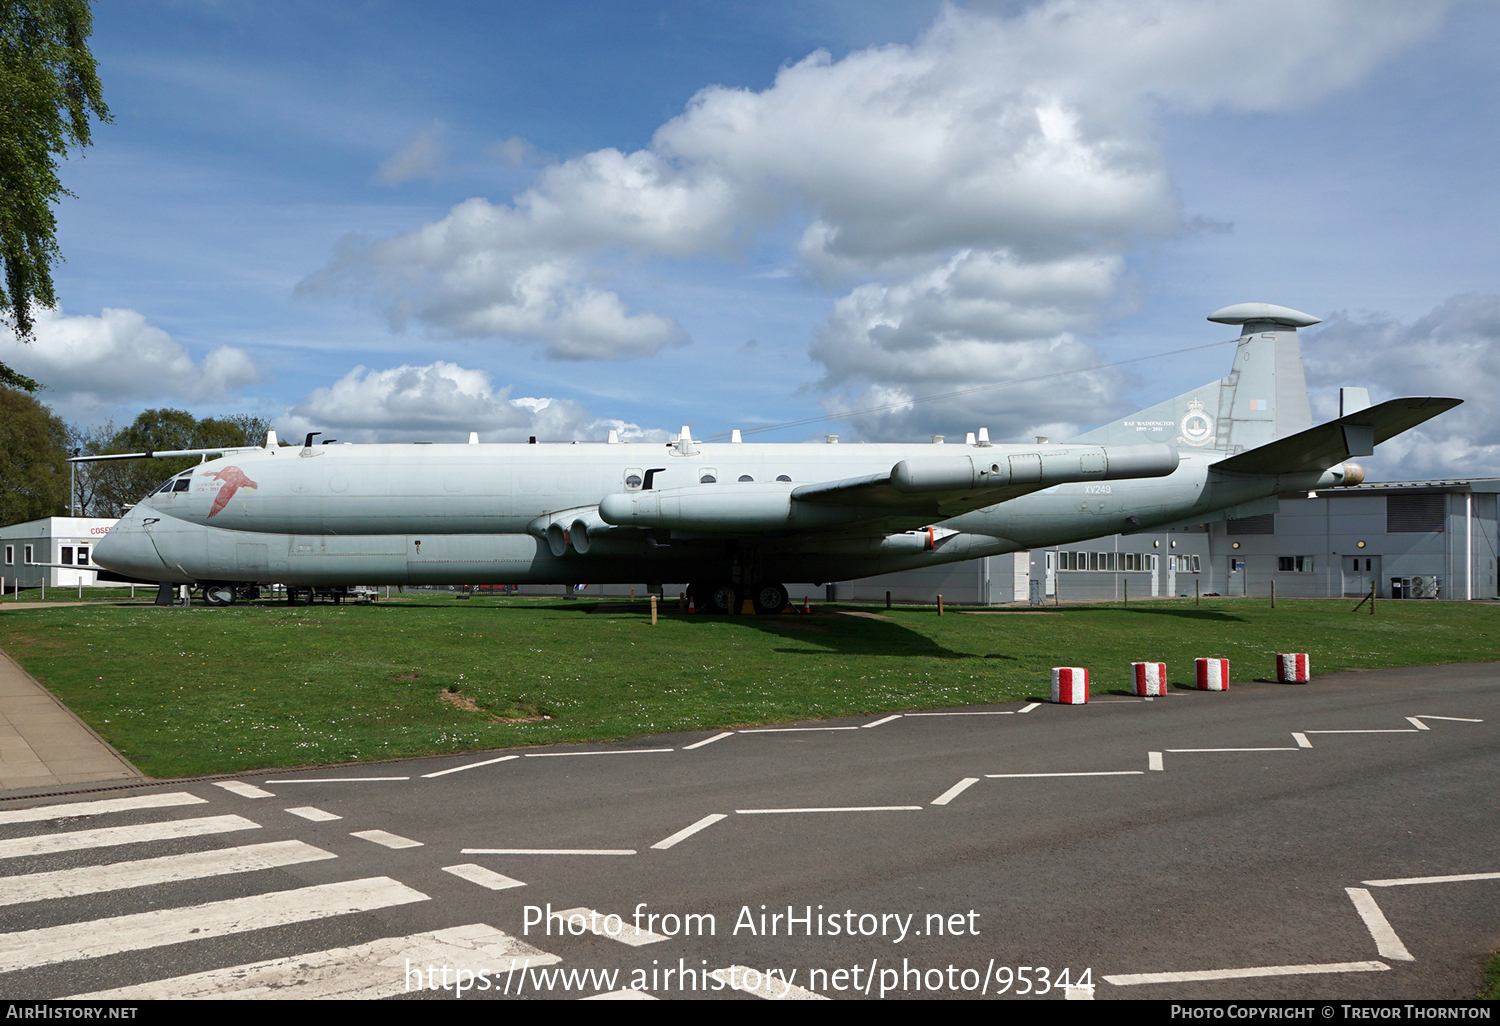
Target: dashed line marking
x=1455, y=719
x=243, y=789
x=1386, y=941
x=101, y=807
x=689, y=831
x=699, y=744
x=98, y=937
x=1301, y=739
x=1181, y=750
x=979, y=712
x=622, y=995
x=624, y=751
x=386, y=839
x=839, y=808
x=1029, y=707
x=1101, y=773
x=954, y=791
x=119, y=876
x=105, y=837
x=1403, y=881
x=316, y=815
x=546, y=851
x=598, y=923
x=1417, y=723
x=372, y=970
x=1136, y=979
x=772, y=988
x=790, y=730
x=1153, y=762
x=332, y=780
x=468, y=766
x=483, y=876
x=866, y=726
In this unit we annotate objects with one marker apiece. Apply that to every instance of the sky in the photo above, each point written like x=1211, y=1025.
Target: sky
x=387, y=221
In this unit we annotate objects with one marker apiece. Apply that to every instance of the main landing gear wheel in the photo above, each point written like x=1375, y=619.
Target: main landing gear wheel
x=768, y=598
x=724, y=599
x=218, y=594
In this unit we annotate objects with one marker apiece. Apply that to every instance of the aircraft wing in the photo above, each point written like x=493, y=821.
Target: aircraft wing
x=1326, y=445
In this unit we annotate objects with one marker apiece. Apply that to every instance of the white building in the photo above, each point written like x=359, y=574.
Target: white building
x=55, y=549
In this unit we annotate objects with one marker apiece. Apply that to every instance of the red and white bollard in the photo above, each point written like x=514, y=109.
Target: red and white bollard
x=1293, y=668
x=1150, y=679
x=1212, y=674
x=1070, y=685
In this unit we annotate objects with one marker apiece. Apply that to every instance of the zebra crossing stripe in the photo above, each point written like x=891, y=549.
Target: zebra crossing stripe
x=50, y=945
x=100, y=807
x=392, y=965
x=104, y=837
x=68, y=883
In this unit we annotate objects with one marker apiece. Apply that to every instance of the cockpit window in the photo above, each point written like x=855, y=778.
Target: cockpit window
x=181, y=484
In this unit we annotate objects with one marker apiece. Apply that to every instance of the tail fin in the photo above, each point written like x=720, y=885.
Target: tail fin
x=1263, y=398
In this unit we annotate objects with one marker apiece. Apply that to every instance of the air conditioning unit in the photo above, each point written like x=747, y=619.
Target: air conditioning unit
x=1419, y=587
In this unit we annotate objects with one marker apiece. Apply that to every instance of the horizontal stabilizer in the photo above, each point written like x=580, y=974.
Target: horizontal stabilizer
x=1326, y=445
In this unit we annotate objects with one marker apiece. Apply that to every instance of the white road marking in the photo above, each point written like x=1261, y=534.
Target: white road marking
x=386, y=838
x=1028, y=708
x=316, y=815
x=772, y=988
x=621, y=995
x=789, y=730
x=1103, y=773
x=1386, y=941
x=1080, y=992
x=1153, y=762
x=954, y=791
x=546, y=851
x=598, y=923
x=104, y=837
x=627, y=751
x=68, y=883
x=1136, y=979
x=101, y=807
x=1301, y=739
x=469, y=766
x=332, y=780
x=877, y=723
x=378, y=969
x=243, y=789
x=980, y=712
x=689, y=831
x=1395, y=730
x=483, y=877
x=844, y=808
x=95, y=938
x=1402, y=881
x=699, y=744
x=1178, y=750
x=1417, y=723
x=1455, y=719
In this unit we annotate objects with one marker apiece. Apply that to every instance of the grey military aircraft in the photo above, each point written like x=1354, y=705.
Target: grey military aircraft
x=737, y=519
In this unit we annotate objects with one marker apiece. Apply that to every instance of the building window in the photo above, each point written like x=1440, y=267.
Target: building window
x=83, y=555
x=10, y=555
x=27, y=552
x=1294, y=564
x=1414, y=514
x=67, y=555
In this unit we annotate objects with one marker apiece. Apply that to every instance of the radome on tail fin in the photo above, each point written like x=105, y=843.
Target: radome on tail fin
x=1261, y=399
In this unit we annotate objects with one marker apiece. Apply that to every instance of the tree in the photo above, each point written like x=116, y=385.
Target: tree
x=48, y=92
x=33, y=460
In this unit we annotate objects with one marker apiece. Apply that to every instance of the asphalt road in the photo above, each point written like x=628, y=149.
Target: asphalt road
x=943, y=853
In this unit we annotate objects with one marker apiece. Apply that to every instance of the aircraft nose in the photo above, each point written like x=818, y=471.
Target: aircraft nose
x=127, y=549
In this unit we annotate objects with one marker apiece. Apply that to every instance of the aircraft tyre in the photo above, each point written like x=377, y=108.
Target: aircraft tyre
x=218, y=594
x=769, y=597
x=723, y=599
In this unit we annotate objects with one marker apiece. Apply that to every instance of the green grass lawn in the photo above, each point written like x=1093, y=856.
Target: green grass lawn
x=192, y=691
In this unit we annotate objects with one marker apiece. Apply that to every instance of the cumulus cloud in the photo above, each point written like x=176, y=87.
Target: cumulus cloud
x=1454, y=350
x=420, y=158
x=975, y=189
x=119, y=356
x=442, y=402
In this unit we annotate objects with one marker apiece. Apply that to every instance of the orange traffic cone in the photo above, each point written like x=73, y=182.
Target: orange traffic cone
x=806, y=606
x=691, y=609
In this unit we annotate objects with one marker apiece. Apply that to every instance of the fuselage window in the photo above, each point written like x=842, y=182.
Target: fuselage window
x=633, y=478
x=782, y=477
x=708, y=476
x=746, y=477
